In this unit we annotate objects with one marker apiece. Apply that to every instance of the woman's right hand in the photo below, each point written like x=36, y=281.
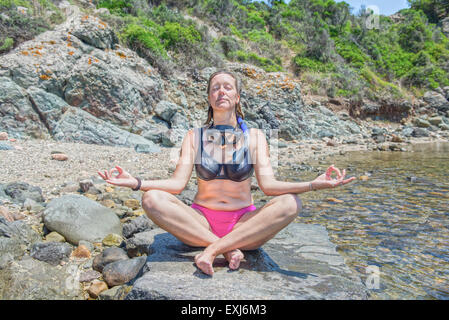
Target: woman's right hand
x=123, y=179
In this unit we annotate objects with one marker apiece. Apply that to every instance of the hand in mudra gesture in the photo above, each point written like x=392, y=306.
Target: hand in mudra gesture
x=123, y=179
x=325, y=180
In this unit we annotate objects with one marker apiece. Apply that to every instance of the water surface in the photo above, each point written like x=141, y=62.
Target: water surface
x=397, y=220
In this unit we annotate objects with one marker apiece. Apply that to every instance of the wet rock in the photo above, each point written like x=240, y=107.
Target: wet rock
x=299, y=263
x=3, y=136
x=51, y=252
x=79, y=218
x=121, y=272
x=30, y=279
x=140, y=224
x=109, y=255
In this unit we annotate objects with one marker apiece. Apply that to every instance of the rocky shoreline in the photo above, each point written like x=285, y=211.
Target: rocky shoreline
x=40, y=196
x=73, y=101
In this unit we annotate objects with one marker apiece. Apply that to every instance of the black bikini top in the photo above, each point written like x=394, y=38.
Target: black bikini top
x=208, y=168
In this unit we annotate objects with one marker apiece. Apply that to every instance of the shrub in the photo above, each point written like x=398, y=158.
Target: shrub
x=265, y=63
x=303, y=63
x=7, y=44
x=177, y=37
x=118, y=7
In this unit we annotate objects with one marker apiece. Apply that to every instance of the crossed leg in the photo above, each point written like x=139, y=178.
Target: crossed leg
x=191, y=227
x=185, y=223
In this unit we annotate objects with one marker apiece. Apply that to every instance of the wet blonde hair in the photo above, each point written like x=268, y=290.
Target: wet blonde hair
x=238, y=108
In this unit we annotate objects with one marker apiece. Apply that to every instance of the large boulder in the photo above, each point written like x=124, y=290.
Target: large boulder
x=80, y=126
x=299, y=263
x=30, y=279
x=80, y=62
x=436, y=100
x=79, y=218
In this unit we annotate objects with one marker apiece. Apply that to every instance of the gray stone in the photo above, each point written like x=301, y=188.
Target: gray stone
x=139, y=244
x=173, y=137
x=89, y=276
x=15, y=238
x=30, y=279
x=421, y=123
x=407, y=131
x=79, y=218
x=115, y=293
x=435, y=120
x=123, y=271
x=420, y=132
x=80, y=126
x=17, y=116
x=51, y=252
x=436, y=100
x=20, y=191
x=5, y=146
x=86, y=184
x=139, y=224
x=299, y=263
x=98, y=36
x=109, y=255
x=148, y=147
x=166, y=110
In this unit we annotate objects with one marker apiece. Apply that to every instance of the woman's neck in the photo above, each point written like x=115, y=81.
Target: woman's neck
x=229, y=119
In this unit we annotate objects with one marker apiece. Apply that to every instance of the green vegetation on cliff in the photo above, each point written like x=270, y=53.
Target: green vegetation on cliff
x=337, y=53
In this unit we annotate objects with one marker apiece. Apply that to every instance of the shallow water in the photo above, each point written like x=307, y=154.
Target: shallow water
x=397, y=220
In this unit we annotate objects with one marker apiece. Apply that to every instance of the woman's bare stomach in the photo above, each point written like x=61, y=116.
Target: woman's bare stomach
x=226, y=195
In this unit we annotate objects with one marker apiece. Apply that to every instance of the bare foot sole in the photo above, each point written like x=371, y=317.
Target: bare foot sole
x=204, y=263
x=234, y=257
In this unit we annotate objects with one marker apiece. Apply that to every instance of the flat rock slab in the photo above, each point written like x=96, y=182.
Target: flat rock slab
x=299, y=263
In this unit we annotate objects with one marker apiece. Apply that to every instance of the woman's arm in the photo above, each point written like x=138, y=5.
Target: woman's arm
x=272, y=187
x=174, y=185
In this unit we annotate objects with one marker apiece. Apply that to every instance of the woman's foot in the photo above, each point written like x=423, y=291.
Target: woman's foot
x=234, y=257
x=204, y=262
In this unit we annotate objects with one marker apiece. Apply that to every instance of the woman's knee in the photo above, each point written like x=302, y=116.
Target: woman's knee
x=292, y=204
x=152, y=200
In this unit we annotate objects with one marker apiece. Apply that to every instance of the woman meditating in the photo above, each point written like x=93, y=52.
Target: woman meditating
x=225, y=154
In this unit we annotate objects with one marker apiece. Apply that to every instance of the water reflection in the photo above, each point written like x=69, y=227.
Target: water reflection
x=397, y=220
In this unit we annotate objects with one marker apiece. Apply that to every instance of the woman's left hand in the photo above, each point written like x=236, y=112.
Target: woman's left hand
x=325, y=180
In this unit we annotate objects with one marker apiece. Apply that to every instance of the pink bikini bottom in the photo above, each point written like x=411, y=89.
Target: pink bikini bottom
x=222, y=222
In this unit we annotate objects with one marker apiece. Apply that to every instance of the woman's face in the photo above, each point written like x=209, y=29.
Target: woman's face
x=223, y=93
